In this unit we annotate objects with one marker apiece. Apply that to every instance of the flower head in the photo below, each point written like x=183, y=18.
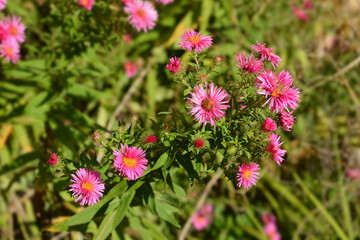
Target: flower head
x=266, y=53
x=286, y=120
x=247, y=174
x=308, y=4
x=208, y=104
x=268, y=218
x=53, y=160
x=87, y=186
x=151, y=139
x=278, y=90
x=2, y=4
x=14, y=29
x=203, y=217
x=142, y=16
x=88, y=4
x=248, y=64
x=174, y=64
x=191, y=39
x=130, y=69
x=269, y=125
x=165, y=2
x=354, y=174
x=271, y=232
x=130, y=161
x=300, y=14
x=274, y=148
x=10, y=50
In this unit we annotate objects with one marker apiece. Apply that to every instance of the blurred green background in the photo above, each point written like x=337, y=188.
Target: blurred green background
x=71, y=79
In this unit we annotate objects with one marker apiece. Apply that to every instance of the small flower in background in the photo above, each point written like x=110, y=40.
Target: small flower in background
x=127, y=37
x=269, y=125
x=354, y=174
x=165, y=2
x=151, y=139
x=88, y=4
x=10, y=50
x=199, y=142
x=203, y=78
x=53, y=160
x=270, y=227
x=274, y=148
x=266, y=53
x=174, y=64
x=300, y=14
x=130, y=161
x=97, y=137
x=308, y=4
x=143, y=15
x=2, y=4
x=87, y=186
x=248, y=64
x=247, y=175
x=219, y=59
x=286, y=120
x=191, y=39
x=130, y=69
x=208, y=104
x=278, y=89
x=267, y=218
x=203, y=217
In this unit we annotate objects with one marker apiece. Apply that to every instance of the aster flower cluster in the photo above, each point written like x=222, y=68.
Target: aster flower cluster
x=12, y=34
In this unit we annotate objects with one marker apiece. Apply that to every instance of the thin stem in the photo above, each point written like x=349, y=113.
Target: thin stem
x=196, y=60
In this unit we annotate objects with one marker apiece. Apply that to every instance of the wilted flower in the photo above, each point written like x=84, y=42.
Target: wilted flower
x=88, y=4
x=286, y=120
x=191, y=39
x=266, y=53
x=130, y=69
x=274, y=148
x=174, y=64
x=142, y=16
x=203, y=217
x=269, y=125
x=248, y=63
x=247, y=175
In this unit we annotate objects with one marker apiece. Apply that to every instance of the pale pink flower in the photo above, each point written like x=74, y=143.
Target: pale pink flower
x=274, y=148
x=248, y=64
x=165, y=2
x=191, y=39
x=203, y=217
x=269, y=125
x=143, y=15
x=286, y=120
x=10, y=50
x=2, y=4
x=271, y=232
x=247, y=175
x=53, y=160
x=14, y=29
x=278, y=90
x=354, y=174
x=207, y=104
x=266, y=53
x=130, y=69
x=88, y=4
x=130, y=161
x=174, y=64
x=300, y=14
x=87, y=186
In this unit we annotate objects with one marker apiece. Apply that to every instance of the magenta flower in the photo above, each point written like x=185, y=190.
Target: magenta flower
x=14, y=29
x=286, y=120
x=10, y=50
x=53, y=159
x=271, y=232
x=207, y=104
x=300, y=14
x=191, y=39
x=88, y=4
x=248, y=64
x=269, y=125
x=268, y=218
x=87, y=186
x=143, y=15
x=174, y=64
x=130, y=162
x=198, y=143
x=247, y=175
x=354, y=174
x=278, y=90
x=274, y=148
x=308, y=4
x=130, y=69
x=2, y=4
x=151, y=139
x=203, y=217
x=266, y=53
x=165, y=2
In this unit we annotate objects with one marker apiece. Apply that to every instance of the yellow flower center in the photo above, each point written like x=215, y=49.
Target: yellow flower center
x=141, y=13
x=88, y=186
x=13, y=30
x=194, y=39
x=275, y=93
x=247, y=174
x=85, y=2
x=208, y=104
x=129, y=162
x=9, y=51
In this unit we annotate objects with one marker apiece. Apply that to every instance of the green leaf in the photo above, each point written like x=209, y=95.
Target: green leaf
x=161, y=161
x=166, y=212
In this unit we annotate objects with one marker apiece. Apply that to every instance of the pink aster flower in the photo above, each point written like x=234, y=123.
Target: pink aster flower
x=266, y=53
x=130, y=162
x=278, y=90
x=269, y=125
x=354, y=174
x=10, y=50
x=274, y=148
x=15, y=29
x=247, y=175
x=130, y=69
x=191, y=39
x=174, y=64
x=87, y=186
x=207, y=104
x=308, y=4
x=300, y=14
x=203, y=217
x=165, y=2
x=143, y=15
x=88, y=4
x=271, y=232
x=2, y=4
x=248, y=64
x=286, y=120
x=53, y=159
